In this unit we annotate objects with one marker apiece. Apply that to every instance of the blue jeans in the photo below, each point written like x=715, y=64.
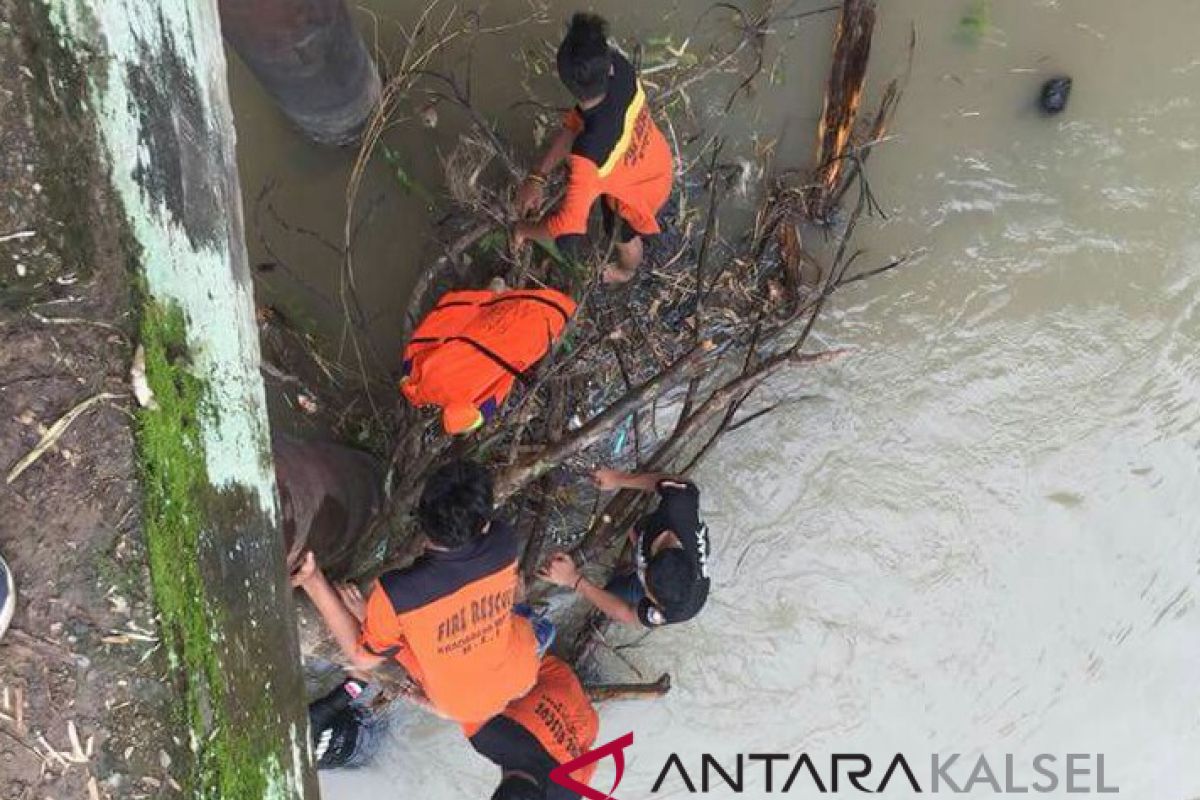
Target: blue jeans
x=543, y=628
x=628, y=587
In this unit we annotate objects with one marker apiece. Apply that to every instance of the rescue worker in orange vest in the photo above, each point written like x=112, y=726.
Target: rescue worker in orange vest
x=469, y=351
x=452, y=617
x=554, y=724
x=613, y=149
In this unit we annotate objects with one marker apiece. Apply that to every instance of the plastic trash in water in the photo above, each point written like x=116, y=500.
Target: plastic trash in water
x=622, y=436
x=1055, y=93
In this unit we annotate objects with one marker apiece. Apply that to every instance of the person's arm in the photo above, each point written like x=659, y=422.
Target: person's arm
x=608, y=480
x=571, y=215
x=561, y=570
x=529, y=231
x=345, y=628
x=557, y=152
x=531, y=192
x=606, y=601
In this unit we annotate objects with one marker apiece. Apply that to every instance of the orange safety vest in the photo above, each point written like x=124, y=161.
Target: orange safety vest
x=557, y=713
x=620, y=154
x=474, y=345
x=448, y=619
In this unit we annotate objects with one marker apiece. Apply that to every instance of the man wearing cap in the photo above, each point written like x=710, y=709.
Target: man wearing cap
x=472, y=348
x=552, y=725
x=669, y=582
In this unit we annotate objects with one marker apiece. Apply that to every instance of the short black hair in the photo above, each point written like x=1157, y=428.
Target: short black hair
x=456, y=503
x=584, y=59
x=670, y=576
x=518, y=787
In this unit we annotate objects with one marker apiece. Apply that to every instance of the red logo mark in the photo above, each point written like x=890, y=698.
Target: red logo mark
x=616, y=748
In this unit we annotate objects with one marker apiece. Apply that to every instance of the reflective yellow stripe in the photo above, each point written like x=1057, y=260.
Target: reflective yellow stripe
x=631, y=115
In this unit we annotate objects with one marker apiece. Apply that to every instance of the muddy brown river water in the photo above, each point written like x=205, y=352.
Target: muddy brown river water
x=979, y=534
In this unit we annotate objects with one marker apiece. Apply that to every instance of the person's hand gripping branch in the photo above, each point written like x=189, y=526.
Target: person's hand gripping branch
x=561, y=570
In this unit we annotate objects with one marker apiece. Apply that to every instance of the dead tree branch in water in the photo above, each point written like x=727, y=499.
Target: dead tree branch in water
x=604, y=692
x=682, y=357
x=425, y=40
x=843, y=97
x=762, y=301
x=516, y=477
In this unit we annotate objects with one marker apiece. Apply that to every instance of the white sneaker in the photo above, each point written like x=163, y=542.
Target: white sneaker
x=8, y=596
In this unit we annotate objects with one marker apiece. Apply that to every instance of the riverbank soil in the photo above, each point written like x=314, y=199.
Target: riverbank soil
x=83, y=700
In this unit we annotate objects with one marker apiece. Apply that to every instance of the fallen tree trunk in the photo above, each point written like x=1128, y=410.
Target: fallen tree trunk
x=843, y=98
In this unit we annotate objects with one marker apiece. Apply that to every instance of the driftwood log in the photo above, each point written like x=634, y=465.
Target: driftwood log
x=602, y=692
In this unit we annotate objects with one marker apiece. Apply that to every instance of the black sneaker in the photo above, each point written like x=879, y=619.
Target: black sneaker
x=344, y=732
x=8, y=596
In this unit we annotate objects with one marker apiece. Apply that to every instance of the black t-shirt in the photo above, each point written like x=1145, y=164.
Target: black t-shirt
x=604, y=125
x=679, y=512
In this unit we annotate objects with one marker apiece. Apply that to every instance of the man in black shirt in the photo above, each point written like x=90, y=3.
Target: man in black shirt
x=669, y=582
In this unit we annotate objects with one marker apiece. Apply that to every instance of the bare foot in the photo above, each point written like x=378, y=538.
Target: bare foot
x=614, y=275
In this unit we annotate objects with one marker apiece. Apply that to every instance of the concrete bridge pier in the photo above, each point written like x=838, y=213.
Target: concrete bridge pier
x=311, y=59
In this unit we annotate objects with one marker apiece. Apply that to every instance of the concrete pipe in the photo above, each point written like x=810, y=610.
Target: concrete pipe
x=311, y=60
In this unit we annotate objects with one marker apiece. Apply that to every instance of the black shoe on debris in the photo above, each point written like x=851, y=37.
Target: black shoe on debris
x=344, y=733
x=8, y=596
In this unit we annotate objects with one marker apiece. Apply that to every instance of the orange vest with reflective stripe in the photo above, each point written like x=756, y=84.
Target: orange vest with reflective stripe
x=619, y=153
x=473, y=344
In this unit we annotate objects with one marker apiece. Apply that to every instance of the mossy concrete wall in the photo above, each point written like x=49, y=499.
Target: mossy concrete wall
x=156, y=83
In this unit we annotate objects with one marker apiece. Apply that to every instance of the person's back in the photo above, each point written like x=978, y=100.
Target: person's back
x=466, y=354
x=448, y=618
x=553, y=724
x=614, y=151
x=619, y=152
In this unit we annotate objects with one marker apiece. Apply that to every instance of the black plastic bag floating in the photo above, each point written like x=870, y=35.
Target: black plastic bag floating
x=344, y=733
x=1055, y=93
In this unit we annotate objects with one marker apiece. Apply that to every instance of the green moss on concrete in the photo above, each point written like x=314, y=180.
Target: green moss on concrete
x=229, y=762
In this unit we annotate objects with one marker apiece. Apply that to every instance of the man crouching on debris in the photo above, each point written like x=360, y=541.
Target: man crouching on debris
x=612, y=146
x=669, y=582
x=539, y=733
x=451, y=618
